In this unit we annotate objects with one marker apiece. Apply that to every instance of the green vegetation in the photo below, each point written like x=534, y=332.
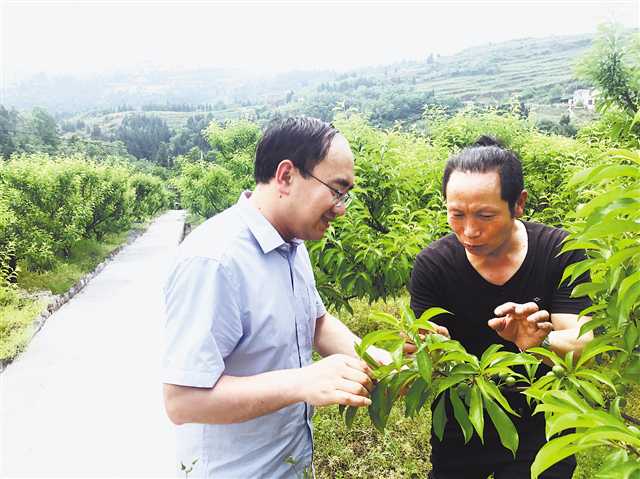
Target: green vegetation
x=59, y=217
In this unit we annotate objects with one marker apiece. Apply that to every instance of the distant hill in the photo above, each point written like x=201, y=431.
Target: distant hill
x=536, y=70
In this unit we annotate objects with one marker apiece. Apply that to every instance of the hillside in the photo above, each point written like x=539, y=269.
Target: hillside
x=537, y=71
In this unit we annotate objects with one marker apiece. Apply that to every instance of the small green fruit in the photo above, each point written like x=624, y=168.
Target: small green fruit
x=510, y=381
x=550, y=373
x=559, y=371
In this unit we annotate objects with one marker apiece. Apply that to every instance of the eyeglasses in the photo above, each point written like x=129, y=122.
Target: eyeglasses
x=338, y=197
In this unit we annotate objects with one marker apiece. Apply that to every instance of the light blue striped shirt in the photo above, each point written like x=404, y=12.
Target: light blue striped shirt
x=241, y=301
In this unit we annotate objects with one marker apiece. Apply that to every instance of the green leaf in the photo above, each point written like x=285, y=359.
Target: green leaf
x=461, y=414
x=589, y=288
x=491, y=390
x=486, y=357
x=425, y=367
x=553, y=452
x=591, y=350
x=413, y=396
x=384, y=318
x=441, y=384
x=439, y=418
x=476, y=415
x=547, y=354
x=591, y=325
x=350, y=416
x=595, y=376
x=432, y=312
x=378, y=336
x=627, y=283
x=504, y=426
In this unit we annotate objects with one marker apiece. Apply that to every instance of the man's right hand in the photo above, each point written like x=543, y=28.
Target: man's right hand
x=336, y=379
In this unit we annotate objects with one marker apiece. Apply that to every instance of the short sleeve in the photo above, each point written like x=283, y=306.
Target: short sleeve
x=424, y=288
x=203, y=322
x=562, y=302
x=320, y=309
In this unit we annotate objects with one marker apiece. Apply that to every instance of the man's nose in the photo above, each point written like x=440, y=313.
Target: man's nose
x=339, y=209
x=471, y=230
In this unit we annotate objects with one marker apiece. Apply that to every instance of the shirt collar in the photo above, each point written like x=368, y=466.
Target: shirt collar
x=262, y=230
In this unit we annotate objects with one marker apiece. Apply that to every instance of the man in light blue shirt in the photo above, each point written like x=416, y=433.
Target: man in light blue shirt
x=243, y=316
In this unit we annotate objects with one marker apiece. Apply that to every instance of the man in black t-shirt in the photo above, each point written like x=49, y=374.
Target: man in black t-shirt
x=499, y=277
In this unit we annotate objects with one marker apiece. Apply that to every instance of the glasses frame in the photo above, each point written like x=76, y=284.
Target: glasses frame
x=338, y=196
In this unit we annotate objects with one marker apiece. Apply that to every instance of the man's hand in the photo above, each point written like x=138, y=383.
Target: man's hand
x=410, y=348
x=336, y=379
x=525, y=325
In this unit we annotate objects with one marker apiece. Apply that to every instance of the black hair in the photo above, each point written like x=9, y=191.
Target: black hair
x=485, y=155
x=303, y=140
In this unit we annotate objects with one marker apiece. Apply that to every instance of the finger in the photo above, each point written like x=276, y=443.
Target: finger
x=360, y=378
x=539, y=317
x=547, y=327
x=352, y=387
x=409, y=348
x=526, y=308
x=352, y=399
x=444, y=331
x=358, y=365
x=504, y=309
x=497, y=324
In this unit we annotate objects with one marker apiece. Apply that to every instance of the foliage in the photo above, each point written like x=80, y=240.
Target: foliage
x=233, y=138
x=607, y=227
x=205, y=189
x=144, y=137
x=368, y=252
x=613, y=66
x=58, y=201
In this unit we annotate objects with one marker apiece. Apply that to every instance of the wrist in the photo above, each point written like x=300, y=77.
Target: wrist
x=297, y=391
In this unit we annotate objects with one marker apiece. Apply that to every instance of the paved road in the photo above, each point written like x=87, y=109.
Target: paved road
x=84, y=399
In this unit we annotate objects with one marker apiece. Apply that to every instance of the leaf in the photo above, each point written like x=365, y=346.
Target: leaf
x=589, y=288
x=596, y=376
x=627, y=283
x=376, y=337
x=432, y=312
x=553, y=452
x=547, y=354
x=591, y=350
x=491, y=390
x=485, y=359
x=504, y=426
x=425, y=367
x=384, y=318
x=591, y=325
x=439, y=418
x=441, y=384
x=476, y=415
x=412, y=398
x=350, y=416
x=461, y=414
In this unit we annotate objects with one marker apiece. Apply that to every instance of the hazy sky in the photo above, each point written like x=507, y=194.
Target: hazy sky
x=89, y=36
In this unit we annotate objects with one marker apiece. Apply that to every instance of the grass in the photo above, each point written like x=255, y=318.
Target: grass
x=17, y=313
x=84, y=257
x=403, y=451
x=18, y=309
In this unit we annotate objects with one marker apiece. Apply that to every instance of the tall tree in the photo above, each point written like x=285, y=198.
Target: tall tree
x=613, y=66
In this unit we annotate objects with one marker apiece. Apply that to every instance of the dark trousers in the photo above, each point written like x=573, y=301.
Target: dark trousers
x=452, y=459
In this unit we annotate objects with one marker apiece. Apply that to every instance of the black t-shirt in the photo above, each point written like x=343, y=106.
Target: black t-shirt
x=442, y=276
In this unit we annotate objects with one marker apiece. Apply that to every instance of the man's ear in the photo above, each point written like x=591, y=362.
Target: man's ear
x=285, y=173
x=520, y=203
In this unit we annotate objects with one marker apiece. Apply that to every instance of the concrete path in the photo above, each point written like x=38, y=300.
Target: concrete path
x=85, y=398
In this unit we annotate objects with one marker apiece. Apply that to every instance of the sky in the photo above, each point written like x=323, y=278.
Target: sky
x=90, y=36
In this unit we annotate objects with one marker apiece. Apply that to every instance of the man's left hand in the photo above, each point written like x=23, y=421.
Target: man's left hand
x=525, y=325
